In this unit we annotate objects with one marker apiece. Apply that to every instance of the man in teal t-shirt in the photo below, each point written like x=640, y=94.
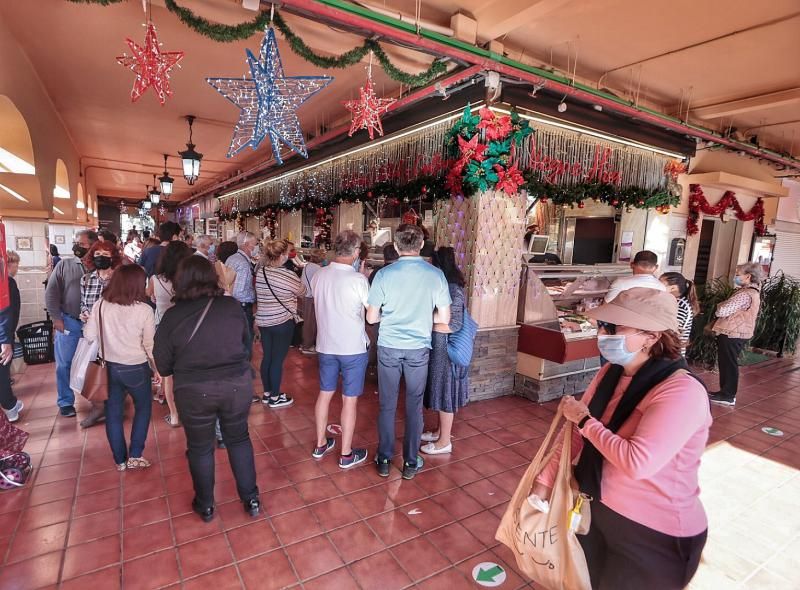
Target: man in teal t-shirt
x=404, y=298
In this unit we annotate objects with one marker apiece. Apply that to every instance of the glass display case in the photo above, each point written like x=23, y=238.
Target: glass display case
x=552, y=304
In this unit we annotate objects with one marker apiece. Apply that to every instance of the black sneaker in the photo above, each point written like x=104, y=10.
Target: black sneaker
x=410, y=470
x=722, y=400
x=252, y=506
x=256, y=399
x=68, y=411
x=355, y=457
x=207, y=514
x=221, y=444
x=278, y=401
x=383, y=466
x=319, y=452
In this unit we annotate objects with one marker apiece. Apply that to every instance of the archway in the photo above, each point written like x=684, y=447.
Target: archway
x=61, y=188
x=16, y=147
x=19, y=187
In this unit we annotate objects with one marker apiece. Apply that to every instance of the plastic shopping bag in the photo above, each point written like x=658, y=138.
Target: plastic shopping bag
x=544, y=542
x=84, y=354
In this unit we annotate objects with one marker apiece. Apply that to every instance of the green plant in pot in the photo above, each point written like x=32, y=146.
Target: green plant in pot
x=778, y=324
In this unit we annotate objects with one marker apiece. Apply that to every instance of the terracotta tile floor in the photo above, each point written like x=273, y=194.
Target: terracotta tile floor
x=80, y=524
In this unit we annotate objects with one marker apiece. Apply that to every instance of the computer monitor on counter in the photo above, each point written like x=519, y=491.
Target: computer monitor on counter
x=379, y=238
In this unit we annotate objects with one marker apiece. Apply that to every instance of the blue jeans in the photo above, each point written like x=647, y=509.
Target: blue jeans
x=394, y=363
x=275, y=342
x=65, y=345
x=135, y=379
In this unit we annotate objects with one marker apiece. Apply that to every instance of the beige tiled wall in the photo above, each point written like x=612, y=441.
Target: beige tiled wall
x=32, y=266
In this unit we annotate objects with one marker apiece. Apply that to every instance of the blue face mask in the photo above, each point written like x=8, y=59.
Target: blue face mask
x=356, y=264
x=737, y=280
x=211, y=249
x=614, y=350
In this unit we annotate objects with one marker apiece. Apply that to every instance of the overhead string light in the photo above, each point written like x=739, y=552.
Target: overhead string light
x=268, y=101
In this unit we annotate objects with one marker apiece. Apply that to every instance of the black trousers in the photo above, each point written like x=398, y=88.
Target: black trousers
x=7, y=398
x=728, y=351
x=247, y=310
x=625, y=555
x=199, y=407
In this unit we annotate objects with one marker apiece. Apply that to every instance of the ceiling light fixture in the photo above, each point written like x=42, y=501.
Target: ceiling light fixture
x=154, y=194
x=166, y=181
x=191, y=158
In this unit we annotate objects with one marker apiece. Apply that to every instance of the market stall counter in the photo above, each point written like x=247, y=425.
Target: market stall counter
x=557, y=351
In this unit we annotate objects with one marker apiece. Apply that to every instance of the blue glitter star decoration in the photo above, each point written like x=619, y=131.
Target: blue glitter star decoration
x=268, y=101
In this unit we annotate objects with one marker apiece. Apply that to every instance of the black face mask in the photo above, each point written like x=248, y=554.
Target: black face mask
x=102, y=262
x=79, y=250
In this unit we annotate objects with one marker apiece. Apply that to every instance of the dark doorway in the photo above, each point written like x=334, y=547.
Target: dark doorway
x=704, y=252
x=594, y=240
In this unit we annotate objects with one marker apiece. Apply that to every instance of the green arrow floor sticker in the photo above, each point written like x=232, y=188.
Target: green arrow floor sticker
x=488, y=574
x=772, y=431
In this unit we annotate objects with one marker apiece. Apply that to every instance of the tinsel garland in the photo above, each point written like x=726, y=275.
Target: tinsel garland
x=271, y=223
x=699, y=204
x=575, y=195
x=427, y=188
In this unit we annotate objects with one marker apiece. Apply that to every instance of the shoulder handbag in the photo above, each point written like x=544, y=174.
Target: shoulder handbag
x=297, y=319
x=545, y=544
x=461, y=344
x=95, y=384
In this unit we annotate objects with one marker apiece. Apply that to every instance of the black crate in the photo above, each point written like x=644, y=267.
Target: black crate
x=37, y=342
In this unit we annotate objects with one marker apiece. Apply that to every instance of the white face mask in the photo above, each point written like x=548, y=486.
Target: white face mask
x=256, y=252
x=614, y=348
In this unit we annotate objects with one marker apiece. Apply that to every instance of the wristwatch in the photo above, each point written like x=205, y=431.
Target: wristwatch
x=583, y=420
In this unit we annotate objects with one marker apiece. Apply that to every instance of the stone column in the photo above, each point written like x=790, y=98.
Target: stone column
x=486, y=231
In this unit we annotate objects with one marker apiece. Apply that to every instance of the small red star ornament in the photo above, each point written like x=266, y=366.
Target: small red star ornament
x=150, y=64
x=367, y=110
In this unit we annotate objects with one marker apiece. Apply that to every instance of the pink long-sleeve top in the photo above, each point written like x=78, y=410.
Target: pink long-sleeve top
x=651, y=462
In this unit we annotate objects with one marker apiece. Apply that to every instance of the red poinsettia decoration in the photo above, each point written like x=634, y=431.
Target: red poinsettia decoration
x=494, y=126
x=508, y=180
x=470, y=150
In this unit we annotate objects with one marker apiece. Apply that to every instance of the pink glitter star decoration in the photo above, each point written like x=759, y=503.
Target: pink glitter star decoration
x=151, y=65
x=367, y=110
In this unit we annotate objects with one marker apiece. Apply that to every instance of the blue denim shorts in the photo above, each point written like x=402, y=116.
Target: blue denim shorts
x=352, y=368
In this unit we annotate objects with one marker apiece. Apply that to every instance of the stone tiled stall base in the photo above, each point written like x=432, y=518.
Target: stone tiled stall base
x=494, y=363
x=552, y=389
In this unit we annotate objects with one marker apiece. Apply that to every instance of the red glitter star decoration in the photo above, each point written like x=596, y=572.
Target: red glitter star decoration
x=367, y=110
x=151, y=65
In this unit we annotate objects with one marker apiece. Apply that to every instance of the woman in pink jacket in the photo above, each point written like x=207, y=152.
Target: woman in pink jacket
x=641, y=429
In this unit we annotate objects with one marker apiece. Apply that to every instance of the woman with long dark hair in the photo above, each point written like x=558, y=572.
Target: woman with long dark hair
x=688, y=304
x=203, y=343
x=127, y=328
x=448, y=384
x=161, y=292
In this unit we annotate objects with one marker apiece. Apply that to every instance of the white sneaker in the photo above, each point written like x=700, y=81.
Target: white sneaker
x=13, y=413
x=429, y=437
x=430, y=449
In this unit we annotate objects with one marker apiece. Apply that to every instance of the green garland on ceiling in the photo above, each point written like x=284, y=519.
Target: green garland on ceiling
x=230, y=33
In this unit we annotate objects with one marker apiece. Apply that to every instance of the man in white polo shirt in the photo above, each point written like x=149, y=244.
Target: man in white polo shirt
x=340, y=301
x=644, y=266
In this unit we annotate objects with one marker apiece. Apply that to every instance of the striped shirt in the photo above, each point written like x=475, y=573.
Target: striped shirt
x=286, y=287
x=685, y=320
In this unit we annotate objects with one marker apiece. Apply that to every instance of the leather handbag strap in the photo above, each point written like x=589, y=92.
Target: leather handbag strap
x=283, y=305
x=100, y=322
x=200, y=321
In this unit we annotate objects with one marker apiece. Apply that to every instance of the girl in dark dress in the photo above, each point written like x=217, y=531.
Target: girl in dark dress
x=448, y=384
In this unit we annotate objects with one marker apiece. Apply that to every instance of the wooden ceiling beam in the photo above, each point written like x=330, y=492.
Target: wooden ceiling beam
x=499, y=17
x=761, y=102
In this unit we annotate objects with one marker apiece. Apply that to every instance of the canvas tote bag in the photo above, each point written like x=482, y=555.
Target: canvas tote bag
x=95, y=385
x=546, y=550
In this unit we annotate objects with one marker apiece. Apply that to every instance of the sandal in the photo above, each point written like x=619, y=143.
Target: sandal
x=168, y=420
x=121, y=466
x=137, y=463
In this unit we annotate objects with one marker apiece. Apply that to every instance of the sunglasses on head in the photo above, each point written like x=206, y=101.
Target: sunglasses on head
x=608, y=328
